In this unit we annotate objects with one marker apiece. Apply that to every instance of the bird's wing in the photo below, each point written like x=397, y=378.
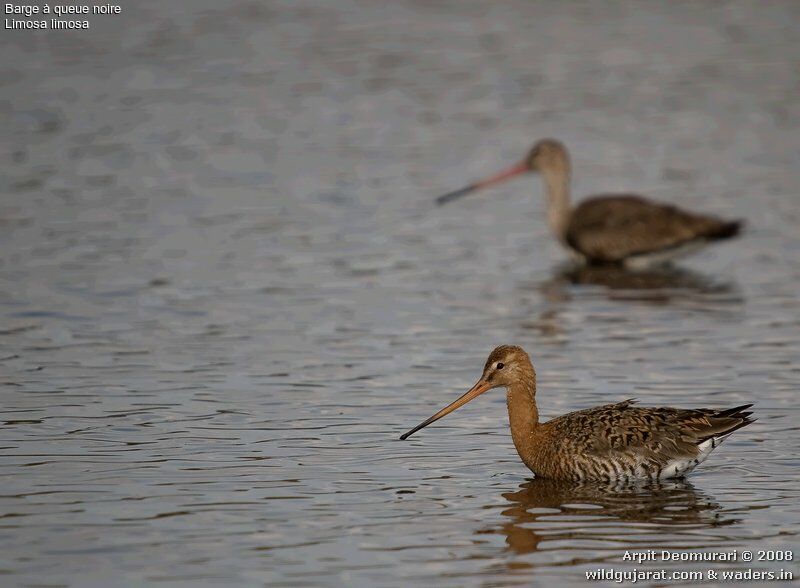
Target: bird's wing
x=612, y=228
x=656, y=436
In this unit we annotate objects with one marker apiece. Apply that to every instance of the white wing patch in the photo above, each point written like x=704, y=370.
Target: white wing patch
x=678, y=468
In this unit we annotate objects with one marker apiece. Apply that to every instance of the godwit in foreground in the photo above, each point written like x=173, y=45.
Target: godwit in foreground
x=610, y=442
x=610, y=229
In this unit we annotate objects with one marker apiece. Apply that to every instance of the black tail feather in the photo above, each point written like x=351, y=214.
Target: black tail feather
x=726, y=230
x=737, y=412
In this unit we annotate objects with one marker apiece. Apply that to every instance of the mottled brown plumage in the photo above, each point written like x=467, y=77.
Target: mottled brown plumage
x=617, y=229
x=611, y=229
x=618, y=441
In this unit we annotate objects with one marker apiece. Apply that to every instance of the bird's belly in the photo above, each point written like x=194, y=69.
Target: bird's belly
x=576, y=256
x=645, y=261
x=582, y=469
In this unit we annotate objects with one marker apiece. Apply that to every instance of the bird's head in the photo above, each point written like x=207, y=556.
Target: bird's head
x=505, y=366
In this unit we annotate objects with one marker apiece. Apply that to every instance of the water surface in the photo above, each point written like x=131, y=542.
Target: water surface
x=225, y=290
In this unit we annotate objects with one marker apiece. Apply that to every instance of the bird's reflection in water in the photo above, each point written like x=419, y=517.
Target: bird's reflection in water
x=656, y=286
x=662, y=286
x=594, y=522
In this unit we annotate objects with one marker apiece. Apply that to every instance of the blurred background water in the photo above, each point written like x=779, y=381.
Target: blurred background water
x=225, y=290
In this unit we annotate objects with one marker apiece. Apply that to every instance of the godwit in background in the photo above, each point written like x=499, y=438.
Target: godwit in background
x=610, y=229
x=620, y=442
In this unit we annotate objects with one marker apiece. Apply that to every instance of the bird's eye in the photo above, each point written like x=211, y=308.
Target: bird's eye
x=500, y=365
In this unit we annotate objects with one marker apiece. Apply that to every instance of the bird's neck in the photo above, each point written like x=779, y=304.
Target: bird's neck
x=556, y=187
x=523, y=415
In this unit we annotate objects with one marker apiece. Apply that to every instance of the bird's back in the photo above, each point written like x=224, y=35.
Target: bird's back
x=624, y=441
x=611, y=229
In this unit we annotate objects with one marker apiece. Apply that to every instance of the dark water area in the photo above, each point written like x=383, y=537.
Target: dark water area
x=225, y=289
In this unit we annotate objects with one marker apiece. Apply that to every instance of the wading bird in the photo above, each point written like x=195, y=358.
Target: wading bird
x=621, y=229
x=619, y=441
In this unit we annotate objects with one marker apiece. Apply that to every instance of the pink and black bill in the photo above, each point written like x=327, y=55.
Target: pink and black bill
x=513, y=171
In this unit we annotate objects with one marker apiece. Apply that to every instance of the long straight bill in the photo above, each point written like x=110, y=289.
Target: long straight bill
x=473, y=392
x=514, y=170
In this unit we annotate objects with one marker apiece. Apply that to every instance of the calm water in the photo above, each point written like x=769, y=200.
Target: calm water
x=224, y=290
